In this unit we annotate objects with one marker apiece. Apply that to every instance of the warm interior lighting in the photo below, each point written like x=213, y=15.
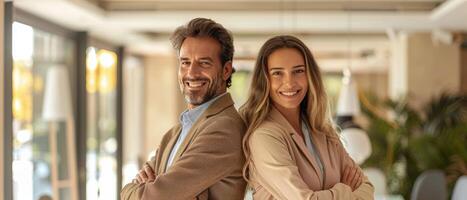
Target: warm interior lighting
x=22, y=92
x=91, y=59
x=107, y=70
x=100, y=70
x=91, y=70
x=107, y=59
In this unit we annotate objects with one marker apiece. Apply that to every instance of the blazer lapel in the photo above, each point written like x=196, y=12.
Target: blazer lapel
x=320, y=142
x=188, y=138
x=216, y=107
x=301, y=145
x=166, y=150
x=279, y=118
x=319, y=139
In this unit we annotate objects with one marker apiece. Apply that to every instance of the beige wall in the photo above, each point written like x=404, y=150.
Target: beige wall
x=432, y=68
x=1, y=99
x=163, y=102
x=422, y=68
x=376, y=83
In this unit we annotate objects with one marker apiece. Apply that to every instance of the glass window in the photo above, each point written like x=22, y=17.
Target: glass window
x=101, y=142
x=34, y=53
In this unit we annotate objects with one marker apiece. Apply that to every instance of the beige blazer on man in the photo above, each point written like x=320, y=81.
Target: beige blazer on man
x=283, y=168
x=208, y=164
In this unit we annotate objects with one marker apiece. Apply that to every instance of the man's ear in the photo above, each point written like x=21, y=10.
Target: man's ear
x=227, y=70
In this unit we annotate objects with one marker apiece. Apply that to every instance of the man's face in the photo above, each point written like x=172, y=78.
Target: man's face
x=201, y=75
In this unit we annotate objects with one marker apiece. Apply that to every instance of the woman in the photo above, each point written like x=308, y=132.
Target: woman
x=292, y=149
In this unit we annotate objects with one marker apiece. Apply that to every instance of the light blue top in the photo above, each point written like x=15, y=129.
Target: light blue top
x=187, y=119
x=311, y=147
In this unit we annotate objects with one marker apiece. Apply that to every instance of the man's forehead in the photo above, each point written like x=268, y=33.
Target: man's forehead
x=199, y=47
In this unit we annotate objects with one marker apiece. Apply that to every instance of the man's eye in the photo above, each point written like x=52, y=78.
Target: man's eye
x=185, y=63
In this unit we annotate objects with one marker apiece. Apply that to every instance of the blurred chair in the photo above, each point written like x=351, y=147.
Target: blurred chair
x=430, y=185
x=460, y=190
x=377, y=178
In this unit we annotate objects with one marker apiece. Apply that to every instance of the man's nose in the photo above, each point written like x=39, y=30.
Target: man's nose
x=193, y=69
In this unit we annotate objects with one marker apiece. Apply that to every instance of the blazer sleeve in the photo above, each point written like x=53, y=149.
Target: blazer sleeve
x=366, y=190
x=212, y=155
x=278, y=173
x=131, y=191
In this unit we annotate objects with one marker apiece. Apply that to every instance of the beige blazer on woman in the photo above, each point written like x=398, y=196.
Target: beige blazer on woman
x=283, y=168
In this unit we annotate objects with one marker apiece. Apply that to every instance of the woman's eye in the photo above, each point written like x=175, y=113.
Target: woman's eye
x=276, y=73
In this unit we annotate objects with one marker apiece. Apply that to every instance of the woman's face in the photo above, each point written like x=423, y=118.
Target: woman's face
x=287, y=75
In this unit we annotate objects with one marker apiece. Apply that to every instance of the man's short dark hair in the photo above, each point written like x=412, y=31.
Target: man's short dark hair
x=202, y=27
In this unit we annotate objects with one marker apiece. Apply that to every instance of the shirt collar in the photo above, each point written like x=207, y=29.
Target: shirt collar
x=190, y=116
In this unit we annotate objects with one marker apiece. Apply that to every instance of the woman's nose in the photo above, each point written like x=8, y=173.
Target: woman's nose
x=289, y=80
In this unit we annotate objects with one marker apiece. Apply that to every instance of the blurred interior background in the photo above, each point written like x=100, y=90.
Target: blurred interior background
x=89, y=86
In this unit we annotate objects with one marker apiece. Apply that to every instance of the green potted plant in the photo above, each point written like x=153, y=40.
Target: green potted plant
x=406, y=141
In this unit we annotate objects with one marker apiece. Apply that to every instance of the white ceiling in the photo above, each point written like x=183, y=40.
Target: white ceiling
x=144, y=25
x=278, y=5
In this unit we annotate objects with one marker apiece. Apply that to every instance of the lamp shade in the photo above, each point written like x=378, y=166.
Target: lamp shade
x=57, y=101
x=357, y=143
x=348, y=104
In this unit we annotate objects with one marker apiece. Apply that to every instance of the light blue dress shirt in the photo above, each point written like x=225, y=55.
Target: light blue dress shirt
x=187, y=119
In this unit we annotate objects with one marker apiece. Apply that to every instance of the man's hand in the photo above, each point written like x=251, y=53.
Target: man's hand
x=145, y=175
x=352, y=177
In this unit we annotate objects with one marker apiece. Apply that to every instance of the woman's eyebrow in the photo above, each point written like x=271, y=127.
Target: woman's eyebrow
x=276, y=68
x=299, y=66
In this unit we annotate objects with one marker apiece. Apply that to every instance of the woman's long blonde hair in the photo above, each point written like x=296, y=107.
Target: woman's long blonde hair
x=314, y=106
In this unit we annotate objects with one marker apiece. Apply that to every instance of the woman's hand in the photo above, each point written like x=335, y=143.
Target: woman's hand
x=352, y=177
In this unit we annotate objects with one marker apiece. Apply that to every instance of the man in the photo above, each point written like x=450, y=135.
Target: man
x=201, y=157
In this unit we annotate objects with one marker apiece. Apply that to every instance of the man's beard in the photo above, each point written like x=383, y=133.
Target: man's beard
x=199, y=97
